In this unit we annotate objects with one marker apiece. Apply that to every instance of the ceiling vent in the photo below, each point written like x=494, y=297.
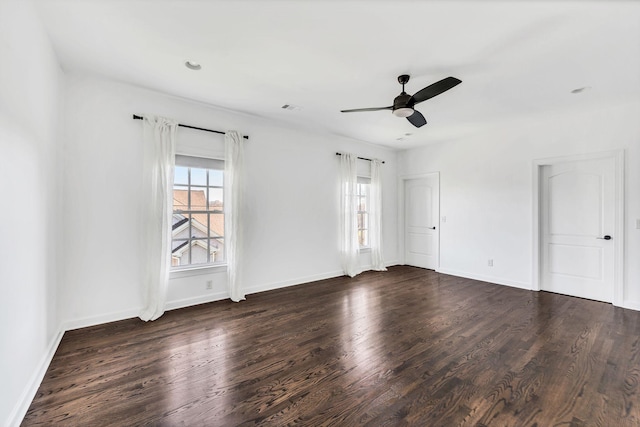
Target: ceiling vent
x=192, y=65
x=291, y=107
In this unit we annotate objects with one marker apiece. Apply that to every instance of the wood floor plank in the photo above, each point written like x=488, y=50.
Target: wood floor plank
x=404, y=347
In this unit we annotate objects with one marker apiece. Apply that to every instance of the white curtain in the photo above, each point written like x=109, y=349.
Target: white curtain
x=350, y=247
x=233, y=173
x=375, y=217
x=159, y=148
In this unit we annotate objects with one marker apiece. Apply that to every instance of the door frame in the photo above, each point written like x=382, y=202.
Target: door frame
x=618, y=232
x=401, y=213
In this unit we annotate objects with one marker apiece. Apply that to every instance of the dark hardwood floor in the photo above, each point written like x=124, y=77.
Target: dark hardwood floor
x=408, y=347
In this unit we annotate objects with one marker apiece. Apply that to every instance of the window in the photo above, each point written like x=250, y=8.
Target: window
x=197, y=236
x=362, y=193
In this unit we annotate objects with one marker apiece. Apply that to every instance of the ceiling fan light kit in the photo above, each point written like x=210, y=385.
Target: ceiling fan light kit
x=403, y=104
x=403, y=112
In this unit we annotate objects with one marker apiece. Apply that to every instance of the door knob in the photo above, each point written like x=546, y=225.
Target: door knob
x=607, y=237
x=433, y=228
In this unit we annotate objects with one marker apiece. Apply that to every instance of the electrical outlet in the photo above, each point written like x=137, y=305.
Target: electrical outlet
x=490, y=263
x=209, y=284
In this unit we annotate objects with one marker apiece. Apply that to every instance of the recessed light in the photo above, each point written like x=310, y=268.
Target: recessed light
x=192, y=65
x=581, y=89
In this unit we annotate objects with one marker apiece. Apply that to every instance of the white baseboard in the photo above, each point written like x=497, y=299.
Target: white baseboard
x=203, y=299
x=490, y=279
x=631, y=305
x=85, y=322
x=187, y=302
x=292, y=282
x=200, y=299
x=21, y=408
x=305, y=279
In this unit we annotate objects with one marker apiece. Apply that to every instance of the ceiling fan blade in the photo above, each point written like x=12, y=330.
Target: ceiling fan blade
x=436, y=89
x=417, y=119
x=366, y=109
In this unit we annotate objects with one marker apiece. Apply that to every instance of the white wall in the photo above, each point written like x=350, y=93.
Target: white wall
x=487, y=189
x=291, y=200
x=30, y=82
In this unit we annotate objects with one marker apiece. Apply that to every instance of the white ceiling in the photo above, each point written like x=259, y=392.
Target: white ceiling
x=517, y=58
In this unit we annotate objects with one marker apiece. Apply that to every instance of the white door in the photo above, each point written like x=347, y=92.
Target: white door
x=577, y=223
x=421, y=236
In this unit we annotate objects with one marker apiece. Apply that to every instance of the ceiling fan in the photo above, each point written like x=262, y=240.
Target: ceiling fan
x=403, y=104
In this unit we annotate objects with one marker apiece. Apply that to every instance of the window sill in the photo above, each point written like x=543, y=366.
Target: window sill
x=197, y=271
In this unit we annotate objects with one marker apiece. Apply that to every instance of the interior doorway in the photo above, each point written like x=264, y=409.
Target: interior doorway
x=421, y=221
x=579, y=226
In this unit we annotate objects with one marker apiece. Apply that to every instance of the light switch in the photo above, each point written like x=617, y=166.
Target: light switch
x=444, y=219
x=638, y=224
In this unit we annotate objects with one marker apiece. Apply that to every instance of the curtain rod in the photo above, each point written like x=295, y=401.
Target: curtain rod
x=135, y=117
x=361, y=158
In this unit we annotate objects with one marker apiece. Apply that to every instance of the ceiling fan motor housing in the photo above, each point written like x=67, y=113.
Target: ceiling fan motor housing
x=404, y=100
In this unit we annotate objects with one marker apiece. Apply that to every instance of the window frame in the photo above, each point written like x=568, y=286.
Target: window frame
x=363, y=182
x=208, y=164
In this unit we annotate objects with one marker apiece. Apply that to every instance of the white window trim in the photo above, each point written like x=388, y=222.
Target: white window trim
x=197, y=270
